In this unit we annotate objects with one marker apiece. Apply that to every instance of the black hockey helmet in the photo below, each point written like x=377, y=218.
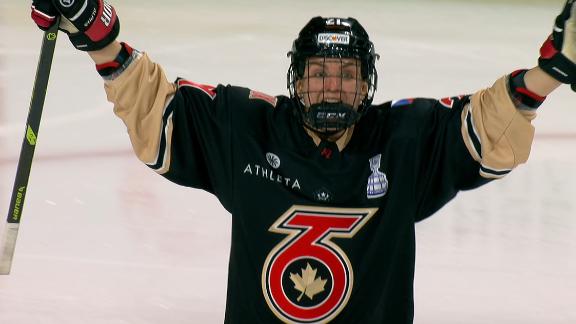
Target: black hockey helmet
x=332, y=38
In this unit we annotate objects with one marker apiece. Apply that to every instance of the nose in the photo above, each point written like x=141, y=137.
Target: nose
x=332, y=84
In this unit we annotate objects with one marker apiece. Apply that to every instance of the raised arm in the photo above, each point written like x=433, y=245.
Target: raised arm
x=497, y=126
x=557, y=62
x=179, y=129
x=136, y=86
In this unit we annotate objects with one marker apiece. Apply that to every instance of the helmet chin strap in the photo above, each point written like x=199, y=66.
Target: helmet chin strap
x=327, y=118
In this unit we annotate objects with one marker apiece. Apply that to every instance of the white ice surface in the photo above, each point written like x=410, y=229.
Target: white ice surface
x=104, y=240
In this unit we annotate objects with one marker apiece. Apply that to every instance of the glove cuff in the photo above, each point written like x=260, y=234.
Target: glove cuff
x=560, y=68
x=553, y=62
x=94, y=38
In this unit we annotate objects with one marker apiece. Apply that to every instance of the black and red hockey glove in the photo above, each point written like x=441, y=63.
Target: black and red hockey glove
x=43, y=13
x=558, y=53
x=90, y=24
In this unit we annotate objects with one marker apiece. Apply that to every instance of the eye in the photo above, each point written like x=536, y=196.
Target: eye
x=349, y=74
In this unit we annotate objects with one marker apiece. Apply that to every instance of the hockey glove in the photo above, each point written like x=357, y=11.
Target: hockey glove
x=90, y=24
x=558, y=53
x=43, y=13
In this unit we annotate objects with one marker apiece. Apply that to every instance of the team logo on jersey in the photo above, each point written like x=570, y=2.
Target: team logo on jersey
x=323, y=195
x=66, y=3
x=273, y=160
x=377, y=182
x=307, y=278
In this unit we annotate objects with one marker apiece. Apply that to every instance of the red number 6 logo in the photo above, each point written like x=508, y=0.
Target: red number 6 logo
x=307, y=278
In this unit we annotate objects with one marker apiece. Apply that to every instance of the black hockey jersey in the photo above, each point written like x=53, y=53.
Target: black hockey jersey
x=321, y=233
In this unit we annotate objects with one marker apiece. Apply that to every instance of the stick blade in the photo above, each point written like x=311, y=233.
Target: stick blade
x=7, y=246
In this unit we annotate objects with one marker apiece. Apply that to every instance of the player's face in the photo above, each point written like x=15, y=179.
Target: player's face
x=332, y=80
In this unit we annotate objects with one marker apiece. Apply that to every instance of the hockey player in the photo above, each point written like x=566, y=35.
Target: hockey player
x=324, y=187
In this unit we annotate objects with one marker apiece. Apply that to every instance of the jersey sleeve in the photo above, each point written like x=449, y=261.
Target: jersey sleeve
x=497, y=134
x=179, y=129
x=469, y=141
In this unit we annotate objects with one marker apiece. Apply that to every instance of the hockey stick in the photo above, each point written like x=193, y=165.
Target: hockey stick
x=10, y=232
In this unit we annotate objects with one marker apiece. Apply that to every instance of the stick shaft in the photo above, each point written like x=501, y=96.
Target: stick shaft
x=10, y=232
